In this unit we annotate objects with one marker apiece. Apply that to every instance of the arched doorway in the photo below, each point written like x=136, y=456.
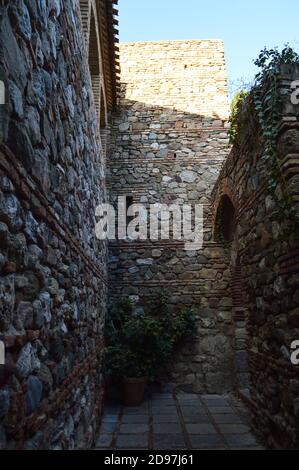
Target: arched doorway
x=225, y=222
x=225, y=231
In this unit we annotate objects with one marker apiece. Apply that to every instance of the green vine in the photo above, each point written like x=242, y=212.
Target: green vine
x=237, y=107
x=269, y=110
x=266, y=101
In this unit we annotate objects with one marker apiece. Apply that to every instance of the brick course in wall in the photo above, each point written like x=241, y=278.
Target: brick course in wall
x=53, y=271
x=168, y=144
x=268, y=266
x=170, y=139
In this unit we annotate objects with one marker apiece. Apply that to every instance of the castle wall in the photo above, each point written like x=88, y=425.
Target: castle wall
x=170, y=139
x=53, y=283
x=267, y=279
x=169, y=143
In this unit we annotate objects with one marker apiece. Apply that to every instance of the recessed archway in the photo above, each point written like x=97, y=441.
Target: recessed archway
x=94, y=62
x=90, y=28
x=225, y=222
x=85, y=7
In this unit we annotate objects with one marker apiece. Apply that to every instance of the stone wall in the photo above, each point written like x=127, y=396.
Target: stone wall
x=170, y=139
x=53, y=283
x=266, y=263
x=169, y=142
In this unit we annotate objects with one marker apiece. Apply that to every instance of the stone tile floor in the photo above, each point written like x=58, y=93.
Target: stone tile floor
x=174, y=422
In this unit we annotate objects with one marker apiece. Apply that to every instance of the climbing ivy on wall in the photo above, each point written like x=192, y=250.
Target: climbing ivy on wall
x=237, y=106
x=265, y=102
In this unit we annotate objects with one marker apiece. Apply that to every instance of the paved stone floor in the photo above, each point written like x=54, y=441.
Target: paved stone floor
x=183, y=421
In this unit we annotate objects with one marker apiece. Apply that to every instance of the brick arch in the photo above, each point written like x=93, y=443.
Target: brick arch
x=225, y=219
x=225, y=188
x=237, y=288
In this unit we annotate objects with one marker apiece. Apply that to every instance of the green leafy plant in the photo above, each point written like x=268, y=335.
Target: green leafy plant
x=268, y=106
x=237, y=106
x=263, y=106
x=138, y=345
x=176, y=326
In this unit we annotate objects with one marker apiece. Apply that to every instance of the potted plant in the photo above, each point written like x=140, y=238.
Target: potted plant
x=124, y=365
x=139, y=343
x=132, y=352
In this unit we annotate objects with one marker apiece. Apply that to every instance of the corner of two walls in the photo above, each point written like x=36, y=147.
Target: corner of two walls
x=170, y=139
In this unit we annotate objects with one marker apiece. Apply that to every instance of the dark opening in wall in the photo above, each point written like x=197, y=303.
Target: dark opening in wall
x=103, y=114
x=103, y=122
x=129, y=202
x=225, y=220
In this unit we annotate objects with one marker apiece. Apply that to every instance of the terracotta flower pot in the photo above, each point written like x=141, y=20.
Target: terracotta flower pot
x=133, y=391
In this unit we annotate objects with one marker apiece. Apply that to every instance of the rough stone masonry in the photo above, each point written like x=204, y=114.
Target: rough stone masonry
x=264, y=264
x=58, y=64
x=170, y=139
x=53, y=280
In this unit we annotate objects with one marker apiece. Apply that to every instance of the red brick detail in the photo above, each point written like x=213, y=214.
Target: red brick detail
x=21, y=426
x=40, y=206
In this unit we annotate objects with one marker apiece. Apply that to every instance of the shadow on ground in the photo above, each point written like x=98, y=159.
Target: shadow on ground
x=182, y=421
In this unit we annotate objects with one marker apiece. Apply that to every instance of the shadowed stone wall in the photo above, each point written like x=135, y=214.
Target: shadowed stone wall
x=266, y=263
x=53, y=282
x=170, y=139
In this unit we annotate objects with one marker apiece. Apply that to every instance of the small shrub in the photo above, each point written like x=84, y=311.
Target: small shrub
x=138, y=345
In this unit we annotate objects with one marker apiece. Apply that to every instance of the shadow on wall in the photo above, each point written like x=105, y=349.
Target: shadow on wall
x=225, y=224
x=165, y=155
x=264, y=260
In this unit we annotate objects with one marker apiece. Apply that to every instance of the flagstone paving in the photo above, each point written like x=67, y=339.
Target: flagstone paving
x=176, y=422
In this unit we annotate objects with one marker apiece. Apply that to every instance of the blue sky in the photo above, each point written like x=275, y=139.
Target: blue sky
x=245, y=26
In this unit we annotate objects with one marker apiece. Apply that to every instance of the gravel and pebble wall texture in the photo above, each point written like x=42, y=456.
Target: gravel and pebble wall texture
x=168, y=145
x=53, y=283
